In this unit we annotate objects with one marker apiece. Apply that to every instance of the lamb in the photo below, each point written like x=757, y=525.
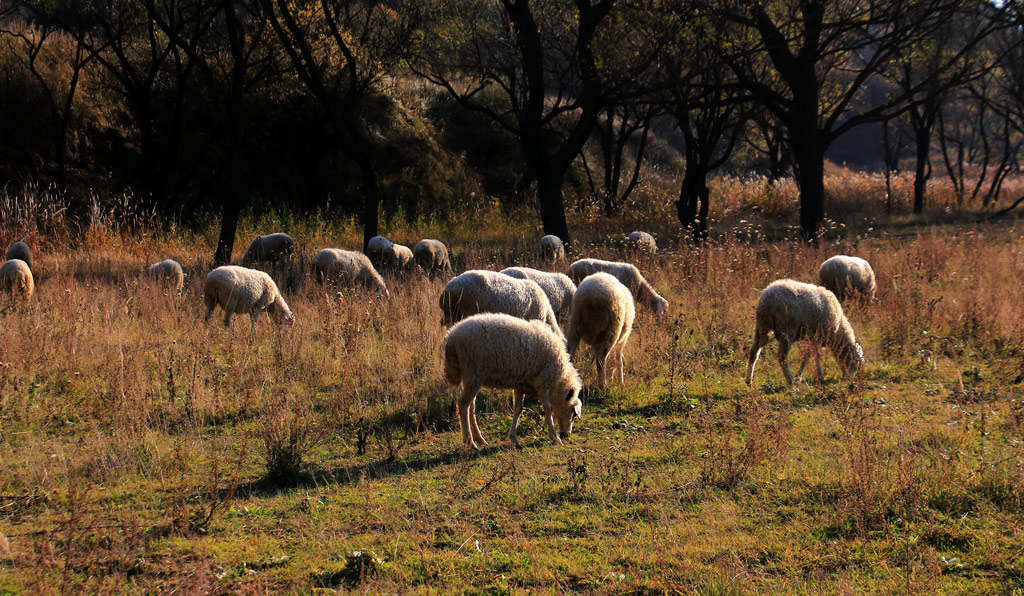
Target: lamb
x=627, y=274
x=272, y=248
x=505, y=352
x=347, y=267
x=642, y=241
x=170, y=271
x=847, y=277
x=557, y=286
x=432, y=256
x=376, y=248
x=16, y=278
x=19, y=250
x=602, y=316
x=239, y=290
x=477, y=291
x=552, y=249
x=795, y=311
x=400, y=257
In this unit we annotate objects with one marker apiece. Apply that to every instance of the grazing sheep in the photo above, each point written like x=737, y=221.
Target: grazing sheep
x=552, y=249
x=376, y=248
x=432, y=256
x=272, y=248
x=847, y=277
x=16, y=279
x=505, y=352
x=239, y=290
x=557, y=286
x=602, y=316
x=795, y=311
x=19, y=250
x=642, y=241
x=477, y=291
x=626, y=273
x=169, y=271
x=396, y=258
x=347, y=267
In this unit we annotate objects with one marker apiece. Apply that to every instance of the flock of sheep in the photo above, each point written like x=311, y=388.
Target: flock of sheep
x=505, y=328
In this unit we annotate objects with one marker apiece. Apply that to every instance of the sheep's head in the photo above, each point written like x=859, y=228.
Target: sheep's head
x=570, y=409
x=851, y=358
x=280, y=312
x=658, y=304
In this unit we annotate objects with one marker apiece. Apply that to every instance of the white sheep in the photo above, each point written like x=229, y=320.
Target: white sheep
x=395, y=258
x=376, y=248
x=272, y=248
x=627, y=274
x=557, y=286
x=848, y=276
x=795, y=311
x=239, y=290
x=432, y=256
x=478, y=291
x=347, y=267
x=16, y=279
x=642, y=241
x=170, y=271
x=506, y=352
x=602, y=316
x=19, y=250
x=552, y=249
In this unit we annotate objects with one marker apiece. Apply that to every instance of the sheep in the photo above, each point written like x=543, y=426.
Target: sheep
x=795, y=311
x=239, y=290
x=169, y=271
x=847, y=277
x=347, y=267
x=552, y=249
x=16, y=278
x=602, y=316
x=272, y=248
x=505, y=352
x=432, y=256
x=557, y=286
x=376, y=248
x=477, y=291
x=19, y=250
x=396, y=258
x=627, y=274
x=642, y=241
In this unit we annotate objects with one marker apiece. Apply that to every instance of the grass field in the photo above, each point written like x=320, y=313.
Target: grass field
x=144, y=451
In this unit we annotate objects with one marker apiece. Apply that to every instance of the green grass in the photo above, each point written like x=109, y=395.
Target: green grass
x=133, y=438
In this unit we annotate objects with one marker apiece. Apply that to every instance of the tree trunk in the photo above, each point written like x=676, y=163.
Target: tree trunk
x=552, y=208
x=371, y=199
x=228, y=227
x=692, y=206
x=810, y=166
x=923, y=141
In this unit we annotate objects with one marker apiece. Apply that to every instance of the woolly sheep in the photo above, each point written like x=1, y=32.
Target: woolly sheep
x=375, y=249
x=557, y=286
x=505, y=352
x=642, y=241
x=19, y=250
x=848, y=276
x=396, y=258
x=239, y=290
x=796, y=311
x=348, y=268
x=432, y=256
x=602, y=316
x=272, y=248
x=477, y=291
x=552, y=249
x=16, y=278
x=170, y=271
x=627, y=274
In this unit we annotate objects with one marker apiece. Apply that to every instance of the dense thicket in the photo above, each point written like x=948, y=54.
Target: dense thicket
x=362, y=108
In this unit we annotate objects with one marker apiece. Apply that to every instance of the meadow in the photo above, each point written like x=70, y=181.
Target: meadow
x=144, y=451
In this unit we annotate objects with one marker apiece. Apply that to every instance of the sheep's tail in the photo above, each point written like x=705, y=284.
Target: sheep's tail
x=452, y=372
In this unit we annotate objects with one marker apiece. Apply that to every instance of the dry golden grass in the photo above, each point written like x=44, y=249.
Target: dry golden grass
x=134, y=438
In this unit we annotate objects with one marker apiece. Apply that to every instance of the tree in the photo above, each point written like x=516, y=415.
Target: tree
x=540, y=60
x=615, y=130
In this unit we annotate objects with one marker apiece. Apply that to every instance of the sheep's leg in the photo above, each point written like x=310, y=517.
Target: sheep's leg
x=210, y=304
x=601, y=356
x=760, y=339
x=622, y=364
x=468, y=397
x=784, y=360
x=229, y=309
x=253, y=316
x=817, y=364
x=513, y=433
x=808, y=352
x=474, y=427
x=552, y=432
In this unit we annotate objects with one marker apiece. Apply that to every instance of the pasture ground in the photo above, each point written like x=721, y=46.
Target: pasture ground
x=144, y=451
